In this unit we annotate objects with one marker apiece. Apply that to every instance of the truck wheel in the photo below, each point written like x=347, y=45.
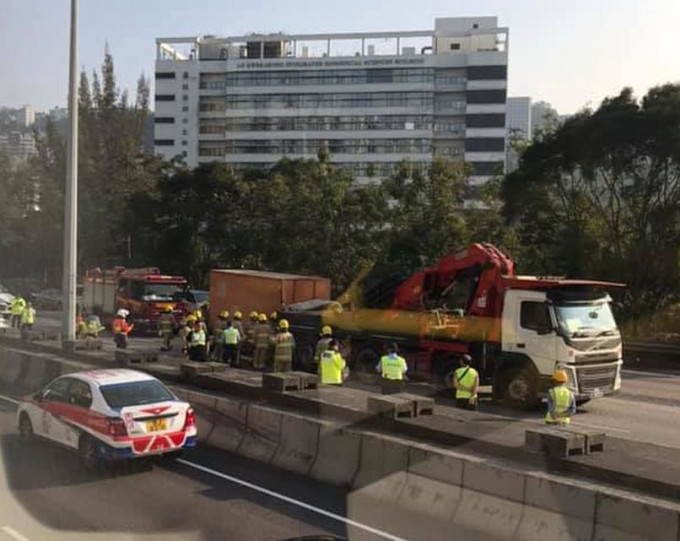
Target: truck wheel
x=520, y=388
x=367, y=359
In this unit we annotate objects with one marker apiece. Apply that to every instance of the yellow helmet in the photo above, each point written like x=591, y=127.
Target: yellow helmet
x=168, y=309
x=273, y=315
x=560, y=376
x=224, y=314
x=283, y=325
x=238, y=315
x=262, y=318
x=326, y=330
x=191, y=318
x=253, y=315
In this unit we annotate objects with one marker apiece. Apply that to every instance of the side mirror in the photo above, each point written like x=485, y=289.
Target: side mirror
x=543, y=330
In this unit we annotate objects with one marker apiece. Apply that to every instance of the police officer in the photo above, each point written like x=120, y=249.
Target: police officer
x=16, y=309
x=392, y=368
x=28, y=317
x=561, y=401
x=230, y=339
x=261, y=339
x=166, y=328
x=331, y=365
x=284, y=346
x=466, y=384
x=197, y=343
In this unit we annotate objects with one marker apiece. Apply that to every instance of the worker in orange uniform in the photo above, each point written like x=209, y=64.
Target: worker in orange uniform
x=284, y=347
x=261, y=338
x=466, y=383
x=392, y=368
x=561, y=401
x=121, y=329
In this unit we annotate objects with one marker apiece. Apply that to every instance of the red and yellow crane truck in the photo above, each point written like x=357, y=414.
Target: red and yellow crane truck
x=518, y=329
x=145, y=293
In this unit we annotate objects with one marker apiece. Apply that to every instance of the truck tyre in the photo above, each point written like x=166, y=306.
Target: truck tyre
x=366, y=359
x=520, y=388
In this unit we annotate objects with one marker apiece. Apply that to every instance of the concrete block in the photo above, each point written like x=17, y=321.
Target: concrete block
x=262, y=435
x=435, y=464
x=216, y=367
x=380, y=456
x=562, y=497
x=94, y=344
x=230, y=424
x=337, y=458
x=280, y=382
x=422, y=405
x=391, y=406
x=554, y=442
x=495, y=481
x=486, y=517
x=594, y=440
x=298, y=444
x=190, y=369
x=629, y=518
x=10, y=366
x=540, y=525
x=307, y=380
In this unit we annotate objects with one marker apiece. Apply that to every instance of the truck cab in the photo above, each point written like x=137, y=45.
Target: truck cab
x=570, y=327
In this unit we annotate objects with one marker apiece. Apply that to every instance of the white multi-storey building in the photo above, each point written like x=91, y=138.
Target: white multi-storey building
x=519, y=117
x=372, y=98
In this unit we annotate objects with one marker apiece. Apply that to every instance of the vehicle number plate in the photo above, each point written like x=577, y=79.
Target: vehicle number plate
x=156, y=425
x=597, y=393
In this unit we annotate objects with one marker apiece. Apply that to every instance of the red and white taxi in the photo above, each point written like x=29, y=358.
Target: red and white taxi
x=108, y=415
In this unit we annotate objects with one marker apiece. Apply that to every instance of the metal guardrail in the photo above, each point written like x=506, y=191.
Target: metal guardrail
x=651, y=347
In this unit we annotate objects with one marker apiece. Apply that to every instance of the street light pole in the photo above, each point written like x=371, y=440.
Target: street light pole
x=71, y=199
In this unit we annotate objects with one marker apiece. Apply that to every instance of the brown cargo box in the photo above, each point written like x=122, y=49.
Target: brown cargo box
x=246, y=290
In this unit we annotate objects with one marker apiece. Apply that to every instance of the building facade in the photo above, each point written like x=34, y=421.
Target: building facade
x=518, y=118
x=373, y=99
x=18, y=145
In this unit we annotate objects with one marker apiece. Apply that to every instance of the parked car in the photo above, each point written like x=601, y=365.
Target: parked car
x=108, y=415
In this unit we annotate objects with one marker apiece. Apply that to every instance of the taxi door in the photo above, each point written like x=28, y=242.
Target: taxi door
x=53, y=406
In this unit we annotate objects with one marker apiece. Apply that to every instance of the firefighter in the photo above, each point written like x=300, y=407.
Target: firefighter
x=561, y=401
x=261, y=339
x=466, y=383
x=121, y=329
x=392, y=368
x=197, y=343
x=248, y=344
x=166, y=328
x=230, y=339
x=332, y=366
x=185, y=332
x=284, y=346
x=326, y=337
x=273, y=322
x=216, y=339
x=27, y=317
x=16, y=309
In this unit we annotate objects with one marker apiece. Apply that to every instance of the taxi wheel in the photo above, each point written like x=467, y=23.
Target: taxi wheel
x=25, y=427
x=87, y=449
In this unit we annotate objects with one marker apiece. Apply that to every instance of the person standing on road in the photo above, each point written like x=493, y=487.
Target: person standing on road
x=230, y=340
x=238, y=325
x=28, y=317
x=166, y=328
x=392, y=368
x=466, y=383
x=121, y=329
x=284, y=346
x=217, y=339
x=261, y=338
x=16, y=309
x=561, y=401
x=331, y=365
x=324, y=343
x=197, y=343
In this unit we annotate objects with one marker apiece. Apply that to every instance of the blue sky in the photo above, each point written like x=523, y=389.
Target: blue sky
x=570, y=53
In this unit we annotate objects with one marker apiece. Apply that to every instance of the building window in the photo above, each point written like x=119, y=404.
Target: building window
x=184, y=154
x=475, y=26
x=165, y=75
x=164, y=142
x=185, y=121
x=486, y=96
x=186, y=75
x=487, y=169
x=185, y=108
x=164, y=120
x=491, y=120
x=455, y=46
x=185, y=97
x=184, y=132
x=485, y=144
x=487, y=72
x=185, y=86
x=184, y=143
x=165, y=97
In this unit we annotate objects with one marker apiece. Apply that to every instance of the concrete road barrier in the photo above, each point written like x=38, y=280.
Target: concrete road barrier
x=263, y=429
x=298, y=443
x=337, y=458
x=205, y=406
x=230, y=424
x=10, y=366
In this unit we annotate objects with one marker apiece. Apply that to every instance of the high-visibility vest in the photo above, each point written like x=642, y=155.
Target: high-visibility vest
x=18, y=305
x=28, y=316
x=284, y=343
x=561, y=398
x=231, y=336
x=331, y=365
x=466, y=376
x=321, y=346
x=198, y=338
x=392, y=367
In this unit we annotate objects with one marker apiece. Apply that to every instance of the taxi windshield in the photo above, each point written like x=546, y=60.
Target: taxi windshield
x=134, y=393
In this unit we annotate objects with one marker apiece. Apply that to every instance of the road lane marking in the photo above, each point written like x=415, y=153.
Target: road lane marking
x=8, y=399
x=14, y=534
x=288, y=499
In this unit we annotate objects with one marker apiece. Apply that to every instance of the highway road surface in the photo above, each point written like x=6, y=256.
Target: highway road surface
x=45, y=495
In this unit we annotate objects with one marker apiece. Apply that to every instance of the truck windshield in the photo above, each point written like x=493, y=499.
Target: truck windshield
x=585, y=319
x=163, y=292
